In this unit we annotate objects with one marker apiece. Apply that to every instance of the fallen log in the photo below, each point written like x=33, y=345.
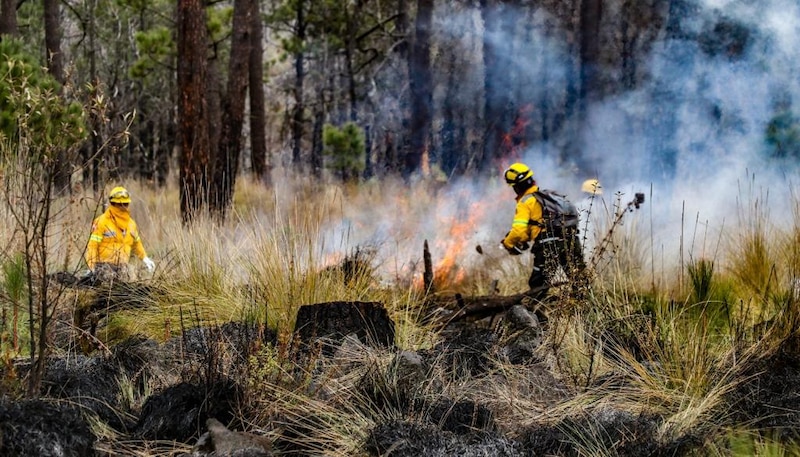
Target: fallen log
x=457, y=308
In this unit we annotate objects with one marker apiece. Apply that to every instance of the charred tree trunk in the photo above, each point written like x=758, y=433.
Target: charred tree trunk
x=453, y=147
x=192, y=108
x=668, y=94
x=589, y=90
x=628, y=46
x=349, y=55
x=214, y=97
x=226, y=165
x=475, y=308
x=427, y=274
x=421, y=88
x=8, y=18
x=392, y=157
x=401, y=22
x=316, y=138
x=591, y=13
x=495, y=93
x=298, y=115
x=369, y=172
x=258, y=116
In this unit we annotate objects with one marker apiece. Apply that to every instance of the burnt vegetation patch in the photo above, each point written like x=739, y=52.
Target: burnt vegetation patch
x=617, y=432
x=180, y=412
x=44, y=428
x=412, y=439
x=466, y=351
x=368, y=321
x=768, y=398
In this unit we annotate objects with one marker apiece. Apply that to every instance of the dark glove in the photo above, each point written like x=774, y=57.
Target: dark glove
x=518, y=249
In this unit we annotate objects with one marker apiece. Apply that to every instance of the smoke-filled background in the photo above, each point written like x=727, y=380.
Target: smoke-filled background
x=698, y=116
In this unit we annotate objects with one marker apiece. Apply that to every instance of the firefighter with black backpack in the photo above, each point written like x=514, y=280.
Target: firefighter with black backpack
x=549, y=221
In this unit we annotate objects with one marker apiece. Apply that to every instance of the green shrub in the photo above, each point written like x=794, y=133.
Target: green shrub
x=30, y=102
x=346, y=148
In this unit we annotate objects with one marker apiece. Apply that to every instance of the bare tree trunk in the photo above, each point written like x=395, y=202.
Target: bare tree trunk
x=94, y=158
x=298, y=118
x=393, y=157
x=55, y=66
x=192, y=108
x=316, y=138
x=453, y=146
x=664, y=126
x=589, y=90
x=419, y=70
x=8, y=18
x=369, y=171
x=495, y=94
x=258, y=116
x=52, y=40
x=591, y=13
x=349, y=51
x=226, y=165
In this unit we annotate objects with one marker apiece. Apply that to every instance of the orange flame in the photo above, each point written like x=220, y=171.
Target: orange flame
x=447, y=272
x=514, y=141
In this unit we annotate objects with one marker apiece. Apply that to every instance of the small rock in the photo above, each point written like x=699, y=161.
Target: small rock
x=521, y=318
x=221, y=442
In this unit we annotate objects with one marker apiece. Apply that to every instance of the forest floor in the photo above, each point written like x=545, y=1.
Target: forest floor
x=495, y=386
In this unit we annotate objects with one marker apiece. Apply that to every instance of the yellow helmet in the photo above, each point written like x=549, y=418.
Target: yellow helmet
x=592, y=186
x=517, y=173
x=119, y=195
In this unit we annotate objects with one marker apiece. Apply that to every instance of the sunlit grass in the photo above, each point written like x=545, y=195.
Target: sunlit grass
x=672, y=337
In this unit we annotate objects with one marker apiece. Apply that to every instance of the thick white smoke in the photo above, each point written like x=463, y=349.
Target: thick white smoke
x=702, y=111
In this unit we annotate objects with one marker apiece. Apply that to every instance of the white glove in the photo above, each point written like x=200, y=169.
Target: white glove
x=149, y=264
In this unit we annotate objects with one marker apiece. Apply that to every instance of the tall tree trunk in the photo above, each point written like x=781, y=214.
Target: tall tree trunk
x=451, y=145
x=495, y=94
x=349, y=52
x=298, y=115
x=591, y=14
x=589, y=90
x=392, y=157
x=52, y=40
x=369, y=171
x=668, y=94
x=95, y=120
x=8, y=18
x=419, y=70
x=192, y=108
x=226, y=165
x=258, y=115
x=316, y=138
x=55, y=66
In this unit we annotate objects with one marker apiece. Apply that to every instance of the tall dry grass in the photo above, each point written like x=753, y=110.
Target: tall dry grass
x=676, y=336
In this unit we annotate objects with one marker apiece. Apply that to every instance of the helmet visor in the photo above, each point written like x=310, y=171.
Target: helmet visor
x=120, y=196
x=516, y=176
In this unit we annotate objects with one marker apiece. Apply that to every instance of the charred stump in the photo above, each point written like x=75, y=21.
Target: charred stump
x=333, y=321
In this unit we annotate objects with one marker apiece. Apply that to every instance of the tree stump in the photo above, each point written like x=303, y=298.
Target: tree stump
x=369, y=321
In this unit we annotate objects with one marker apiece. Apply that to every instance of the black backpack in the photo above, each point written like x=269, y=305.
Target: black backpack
x=557, y=211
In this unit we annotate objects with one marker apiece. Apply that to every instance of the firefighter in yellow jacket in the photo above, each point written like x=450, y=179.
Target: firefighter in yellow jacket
x=551, y=246
x=114, y=236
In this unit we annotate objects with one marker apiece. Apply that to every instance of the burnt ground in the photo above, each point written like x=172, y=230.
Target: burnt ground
x=427, y=402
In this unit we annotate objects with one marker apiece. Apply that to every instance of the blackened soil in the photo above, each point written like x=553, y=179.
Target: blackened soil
x=45, y=429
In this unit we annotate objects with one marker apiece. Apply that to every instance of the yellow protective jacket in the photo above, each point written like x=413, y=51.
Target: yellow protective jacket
x=114, y=236
x=528, y=209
